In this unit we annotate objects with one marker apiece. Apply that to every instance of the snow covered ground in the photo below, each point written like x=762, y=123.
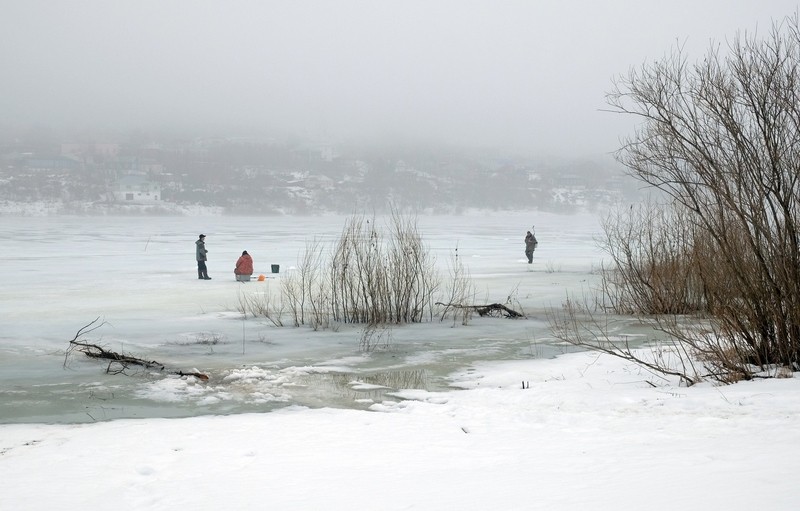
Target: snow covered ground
x=588, y=432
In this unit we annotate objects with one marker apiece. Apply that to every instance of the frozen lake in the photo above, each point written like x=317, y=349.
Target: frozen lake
x=138, y=275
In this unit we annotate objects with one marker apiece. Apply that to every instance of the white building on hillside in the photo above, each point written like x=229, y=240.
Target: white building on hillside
x=134, y=189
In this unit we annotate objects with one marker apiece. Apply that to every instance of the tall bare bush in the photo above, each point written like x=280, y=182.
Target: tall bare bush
x=375, y=280
x=721, y=138
x=259, y=302
x=459, y=290
x=653, y=265
x=414, y=278
x=370, y=277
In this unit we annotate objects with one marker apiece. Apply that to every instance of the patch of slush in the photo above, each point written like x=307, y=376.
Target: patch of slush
x=176, y=389
x=359, y=385
x=251, y=385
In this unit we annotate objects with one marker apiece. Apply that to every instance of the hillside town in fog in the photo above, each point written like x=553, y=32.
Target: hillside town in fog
x=270, y=176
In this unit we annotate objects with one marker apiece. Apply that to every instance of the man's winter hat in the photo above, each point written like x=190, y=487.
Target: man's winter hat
x=202, y=235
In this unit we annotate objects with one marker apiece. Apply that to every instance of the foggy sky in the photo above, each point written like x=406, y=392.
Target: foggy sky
x=524, y=74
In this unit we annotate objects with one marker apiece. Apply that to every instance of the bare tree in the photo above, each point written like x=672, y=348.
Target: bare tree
x=721, y=137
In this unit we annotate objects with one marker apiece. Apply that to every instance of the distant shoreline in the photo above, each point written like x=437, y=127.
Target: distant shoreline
x=101, y=209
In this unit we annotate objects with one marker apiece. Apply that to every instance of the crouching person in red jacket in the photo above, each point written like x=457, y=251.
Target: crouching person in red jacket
x=244, y=267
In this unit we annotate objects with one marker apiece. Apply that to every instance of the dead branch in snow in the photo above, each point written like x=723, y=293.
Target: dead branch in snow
x=492, y=309
x=199, y=376
x=119, y=363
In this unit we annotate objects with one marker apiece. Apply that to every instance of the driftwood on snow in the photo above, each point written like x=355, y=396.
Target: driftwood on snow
x=118, y=363
x=492, y=309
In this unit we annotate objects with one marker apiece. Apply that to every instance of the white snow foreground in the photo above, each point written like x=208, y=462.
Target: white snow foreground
x=589, y=433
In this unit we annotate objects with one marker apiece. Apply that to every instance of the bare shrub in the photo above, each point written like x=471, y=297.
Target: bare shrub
x=374, y=337
x=720, y=138
x=376, y=280
x=512, y=301
x=459, y=290
x=551, y=267
x=307, y=290
x=358, y=273
x=317, y=286
x=370, y=277
x=292, y=295
x=653, y=267
x=576, y=324
x=260, y=303
x=208, y=339
x=413, y=277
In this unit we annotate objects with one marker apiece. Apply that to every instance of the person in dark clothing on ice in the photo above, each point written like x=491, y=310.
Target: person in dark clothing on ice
x=530, y=246
x=202, y=271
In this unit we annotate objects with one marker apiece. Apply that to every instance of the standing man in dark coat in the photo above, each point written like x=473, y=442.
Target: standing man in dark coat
x=202, y=271
x=530, y=246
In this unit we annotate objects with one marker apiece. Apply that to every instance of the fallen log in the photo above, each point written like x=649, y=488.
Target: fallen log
x=119, y=363
x=492, y=309
x=95, y=351
x=199, y=376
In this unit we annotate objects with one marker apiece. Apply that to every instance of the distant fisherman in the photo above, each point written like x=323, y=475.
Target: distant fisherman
x=244, y=267
x=530, y=246
x=202, y=271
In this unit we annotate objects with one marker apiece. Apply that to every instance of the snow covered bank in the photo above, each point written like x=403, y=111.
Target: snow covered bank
x=589, y=433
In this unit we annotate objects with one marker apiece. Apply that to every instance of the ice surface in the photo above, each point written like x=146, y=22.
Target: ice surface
x=138, y=275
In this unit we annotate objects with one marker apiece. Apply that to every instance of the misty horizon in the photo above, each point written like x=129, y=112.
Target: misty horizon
x=516, y=75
